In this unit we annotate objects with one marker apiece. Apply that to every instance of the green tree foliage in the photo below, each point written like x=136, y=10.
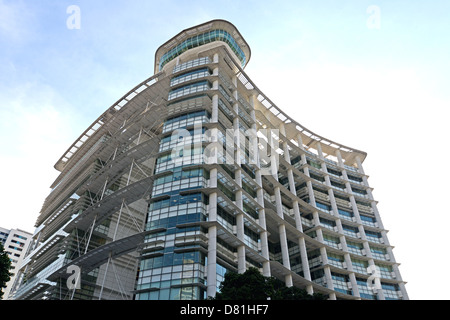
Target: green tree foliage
x=281, y=292
x=252, y=285
x=5, y=265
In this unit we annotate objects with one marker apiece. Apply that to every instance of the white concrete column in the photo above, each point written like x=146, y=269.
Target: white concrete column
x=312, y=199
x=327, y=272
x=380, y=294
x=300, y=141
x=360, y=166
x=263, y=235
x=401, y=284
x=240, y=225
x=238, y=200
x=282, y=228
x=282, y=233
x=290, y=175
x=377, y=215
x=347, y=257
x=215, y=109
x=241, y=248
x=212, y=262
x=212, y=238
x=285, y=254
x=298, y=222
x=319, y=150
x=397, y=274
x=215, y=85
x=352, y=277
x=305, y=263
x=301, y=241
x=316, y=221
x=403, y=291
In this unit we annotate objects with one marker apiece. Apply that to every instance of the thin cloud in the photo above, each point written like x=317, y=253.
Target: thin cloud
x=16, y=22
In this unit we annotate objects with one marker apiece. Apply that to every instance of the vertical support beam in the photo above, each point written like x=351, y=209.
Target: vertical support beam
x=358, y=220
x=212, y=262
x=263, y=235
x=215, y=109
x=342, y=238
x=298, y=222
x=323, y=250
x=282, y=227
x=303, y=252
x=401, y=284
x=238, y=152
x=212, y=239
x=211, y=268
x=240, y=225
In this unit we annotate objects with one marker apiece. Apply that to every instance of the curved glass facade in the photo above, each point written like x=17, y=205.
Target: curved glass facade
x=201, y=39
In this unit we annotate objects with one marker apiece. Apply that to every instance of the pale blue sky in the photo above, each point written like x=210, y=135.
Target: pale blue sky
x=309, y=57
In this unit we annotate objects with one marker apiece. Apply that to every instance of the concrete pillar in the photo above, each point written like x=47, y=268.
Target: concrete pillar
x=352, y=277
x=402, y=284
x=298, y=222
x=263, y=235
x=240, y=227
x=212, y=262
x=215, y=109
x=212, y=238
x=328, y=277
x=238, y=200
x=312, y=200
x=355, y=288
x=359, y=163
x=305, y=263
x=241, y=249
x=285, y=253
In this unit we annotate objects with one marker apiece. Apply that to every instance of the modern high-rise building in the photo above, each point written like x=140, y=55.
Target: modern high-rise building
x=195, y=172
x=15, y=243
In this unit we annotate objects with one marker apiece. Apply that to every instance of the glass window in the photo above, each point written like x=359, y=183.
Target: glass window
x=323, y=206
x=373, y=234
x=201, y=39
x=345, y=213
x=188, y=89
x=368, y=219
x=190, y=75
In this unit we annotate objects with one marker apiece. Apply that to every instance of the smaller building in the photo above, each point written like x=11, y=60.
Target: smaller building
x=15, y=242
